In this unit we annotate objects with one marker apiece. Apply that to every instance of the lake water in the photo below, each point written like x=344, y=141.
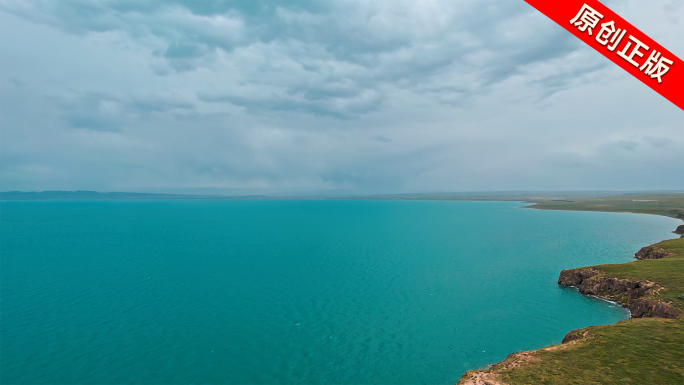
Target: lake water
x=274, y=291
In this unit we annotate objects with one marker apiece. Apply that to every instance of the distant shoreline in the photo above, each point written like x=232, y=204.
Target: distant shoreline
x=548, y=197
x=670, y=204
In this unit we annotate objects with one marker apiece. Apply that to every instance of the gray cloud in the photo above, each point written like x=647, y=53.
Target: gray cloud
x=286, y=46
x=360, y=96
x=102, y=112
x=627, y=145
x=658, y=141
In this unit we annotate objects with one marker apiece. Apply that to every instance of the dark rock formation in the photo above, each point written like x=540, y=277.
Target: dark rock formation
x=573, y=335
x=652, y=252
x=624, y=291
x=574, y=277
x=649, y=308
x=616, y=288
x=679, y=230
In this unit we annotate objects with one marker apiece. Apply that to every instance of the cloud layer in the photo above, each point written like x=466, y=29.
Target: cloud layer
x=357, y=96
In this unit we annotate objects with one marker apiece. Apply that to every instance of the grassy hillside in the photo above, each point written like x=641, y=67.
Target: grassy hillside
x=637, y=351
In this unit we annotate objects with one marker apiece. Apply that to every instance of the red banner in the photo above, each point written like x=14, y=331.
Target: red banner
x=620, y=42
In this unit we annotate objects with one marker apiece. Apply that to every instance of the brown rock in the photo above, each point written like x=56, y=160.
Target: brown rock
x=648, y=308
x=679, y=230
x=572, y=336
x=652, y=252
x=574, y=277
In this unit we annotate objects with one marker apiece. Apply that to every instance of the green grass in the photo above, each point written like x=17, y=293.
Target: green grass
x=638, y=351
x=666, y=204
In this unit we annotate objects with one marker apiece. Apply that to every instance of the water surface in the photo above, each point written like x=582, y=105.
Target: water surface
x=270, y=292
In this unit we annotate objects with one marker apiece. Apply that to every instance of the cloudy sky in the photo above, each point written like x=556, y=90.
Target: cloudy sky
x=311, y=96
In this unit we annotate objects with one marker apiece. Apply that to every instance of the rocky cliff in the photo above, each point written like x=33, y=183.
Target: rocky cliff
x=632, y=294
x=679, y=230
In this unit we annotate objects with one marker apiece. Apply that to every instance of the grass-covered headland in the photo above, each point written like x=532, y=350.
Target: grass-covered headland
x=646, y=349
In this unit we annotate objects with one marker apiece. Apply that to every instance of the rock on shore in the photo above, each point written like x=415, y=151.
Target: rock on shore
x=652, y=252
x=679, y=229
x=627, y=292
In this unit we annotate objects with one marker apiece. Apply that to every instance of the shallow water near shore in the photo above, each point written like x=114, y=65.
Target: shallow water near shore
x=277, y=291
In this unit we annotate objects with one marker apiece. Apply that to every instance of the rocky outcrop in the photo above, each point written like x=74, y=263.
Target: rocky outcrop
x=652, y=252
x=613, y=288
x=679, y=230
x=650, y=308
x=574, y=277
x=574, y=335
x=626, y=292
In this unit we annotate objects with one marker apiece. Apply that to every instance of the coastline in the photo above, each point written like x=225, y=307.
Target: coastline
x=605, y=230
x=582, y=356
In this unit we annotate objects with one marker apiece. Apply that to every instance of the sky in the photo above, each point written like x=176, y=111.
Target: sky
x=300, y=96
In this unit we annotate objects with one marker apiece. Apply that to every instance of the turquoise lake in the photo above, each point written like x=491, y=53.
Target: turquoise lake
x=293, y=291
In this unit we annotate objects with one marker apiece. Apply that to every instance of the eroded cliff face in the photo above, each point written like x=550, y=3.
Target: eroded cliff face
x=629, y=293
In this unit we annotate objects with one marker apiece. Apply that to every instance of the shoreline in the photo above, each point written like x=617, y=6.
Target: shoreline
x=594, y=281
x=605, y=299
